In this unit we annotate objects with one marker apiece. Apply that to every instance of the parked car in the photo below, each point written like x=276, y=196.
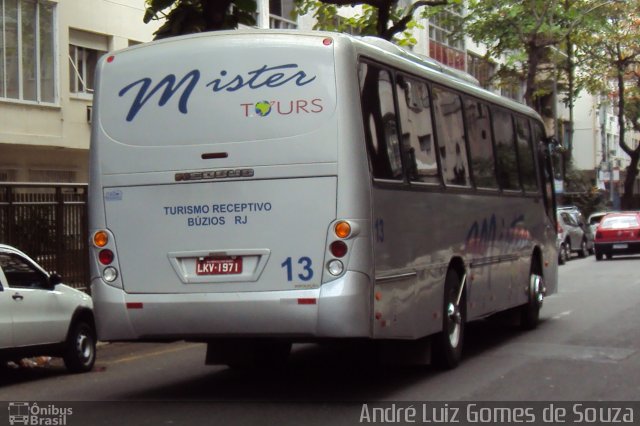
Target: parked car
x=595, y=218
x=41, y=316
x=563, y=250
x=573, y=234
x=618, y=233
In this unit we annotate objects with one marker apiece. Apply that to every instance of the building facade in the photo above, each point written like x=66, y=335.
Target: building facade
x=48, y=52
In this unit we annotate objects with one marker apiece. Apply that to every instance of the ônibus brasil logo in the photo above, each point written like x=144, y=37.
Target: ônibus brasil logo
x=31, y=414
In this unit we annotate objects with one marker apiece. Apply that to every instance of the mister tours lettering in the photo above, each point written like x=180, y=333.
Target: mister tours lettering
x=170, y=85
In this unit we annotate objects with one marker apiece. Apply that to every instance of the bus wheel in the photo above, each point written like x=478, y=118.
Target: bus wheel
x=447, y=345
x=530, y=312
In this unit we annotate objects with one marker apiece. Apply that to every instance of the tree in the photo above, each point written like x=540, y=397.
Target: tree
x=524, y=33
x=610, y=60
x=194, y=16
x=381, y=18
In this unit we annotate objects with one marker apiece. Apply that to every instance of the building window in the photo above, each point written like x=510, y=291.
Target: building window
x=280, y=14
x=82, y=66
x=481, y=69
x=85, y=49
x=445, y=42
x=27, y=50
x=8, y=175
x=58, y=176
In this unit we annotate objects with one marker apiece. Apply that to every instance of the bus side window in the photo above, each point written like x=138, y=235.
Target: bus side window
x=506, y=161
x=414, y=110
x=480, y=144
x=544, y=169
x=380, y=126
x=451, y=138
x=525, y=155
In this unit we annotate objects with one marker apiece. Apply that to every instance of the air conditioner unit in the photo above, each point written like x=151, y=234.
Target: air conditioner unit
x=89, y=113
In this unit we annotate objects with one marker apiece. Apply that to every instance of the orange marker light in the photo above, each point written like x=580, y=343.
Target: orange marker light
x=343, y=229
x=100, y=239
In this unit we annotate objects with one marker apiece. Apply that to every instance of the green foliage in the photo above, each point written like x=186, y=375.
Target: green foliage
x=609, y=54
x=328, y=18
x=399, y=24
x=193, y=16
x=581, y=192
x=523, y=33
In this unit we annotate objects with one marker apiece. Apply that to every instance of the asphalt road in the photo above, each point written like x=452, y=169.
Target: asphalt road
x=587, y=348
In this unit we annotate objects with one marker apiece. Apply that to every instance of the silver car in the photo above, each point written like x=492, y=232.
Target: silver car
x=574, y=236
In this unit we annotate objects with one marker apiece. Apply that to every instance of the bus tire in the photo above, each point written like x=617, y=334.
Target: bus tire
x=447, y=345
x=530, y=312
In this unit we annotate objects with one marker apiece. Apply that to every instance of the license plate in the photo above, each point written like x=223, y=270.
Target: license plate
x=619, y=246
x=219, y=265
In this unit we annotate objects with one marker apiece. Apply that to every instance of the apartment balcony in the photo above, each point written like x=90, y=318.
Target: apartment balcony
x=279, y=22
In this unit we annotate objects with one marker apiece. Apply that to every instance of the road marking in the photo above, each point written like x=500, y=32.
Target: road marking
x=150, y=354
x=561, y=314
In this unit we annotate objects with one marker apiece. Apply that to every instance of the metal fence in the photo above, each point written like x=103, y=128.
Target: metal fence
x=49, y=223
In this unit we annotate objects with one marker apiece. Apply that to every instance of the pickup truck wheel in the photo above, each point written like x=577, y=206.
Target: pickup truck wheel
x=80, y=351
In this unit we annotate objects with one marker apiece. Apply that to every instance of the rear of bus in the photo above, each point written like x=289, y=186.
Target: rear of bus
x=215, y=200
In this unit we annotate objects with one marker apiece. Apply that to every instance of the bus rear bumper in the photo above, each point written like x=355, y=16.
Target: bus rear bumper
x=338, y=309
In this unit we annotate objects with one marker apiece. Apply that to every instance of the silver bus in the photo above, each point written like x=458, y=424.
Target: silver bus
x=253, y=189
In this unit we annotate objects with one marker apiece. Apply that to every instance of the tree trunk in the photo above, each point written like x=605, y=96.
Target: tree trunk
x=384, y=12
x=534, y=54
x=632, y=171
x=629, y=181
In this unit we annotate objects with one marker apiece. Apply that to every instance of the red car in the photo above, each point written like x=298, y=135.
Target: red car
x=618, y=233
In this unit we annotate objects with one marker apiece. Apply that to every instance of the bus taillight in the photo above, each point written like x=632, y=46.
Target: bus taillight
x=100, y=239
x=338, y=248
x=343, y=229
x=105, y=256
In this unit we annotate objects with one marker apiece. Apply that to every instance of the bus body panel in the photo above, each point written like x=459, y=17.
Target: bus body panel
x=173, y=229
x=342, y=309
x=495, y=244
